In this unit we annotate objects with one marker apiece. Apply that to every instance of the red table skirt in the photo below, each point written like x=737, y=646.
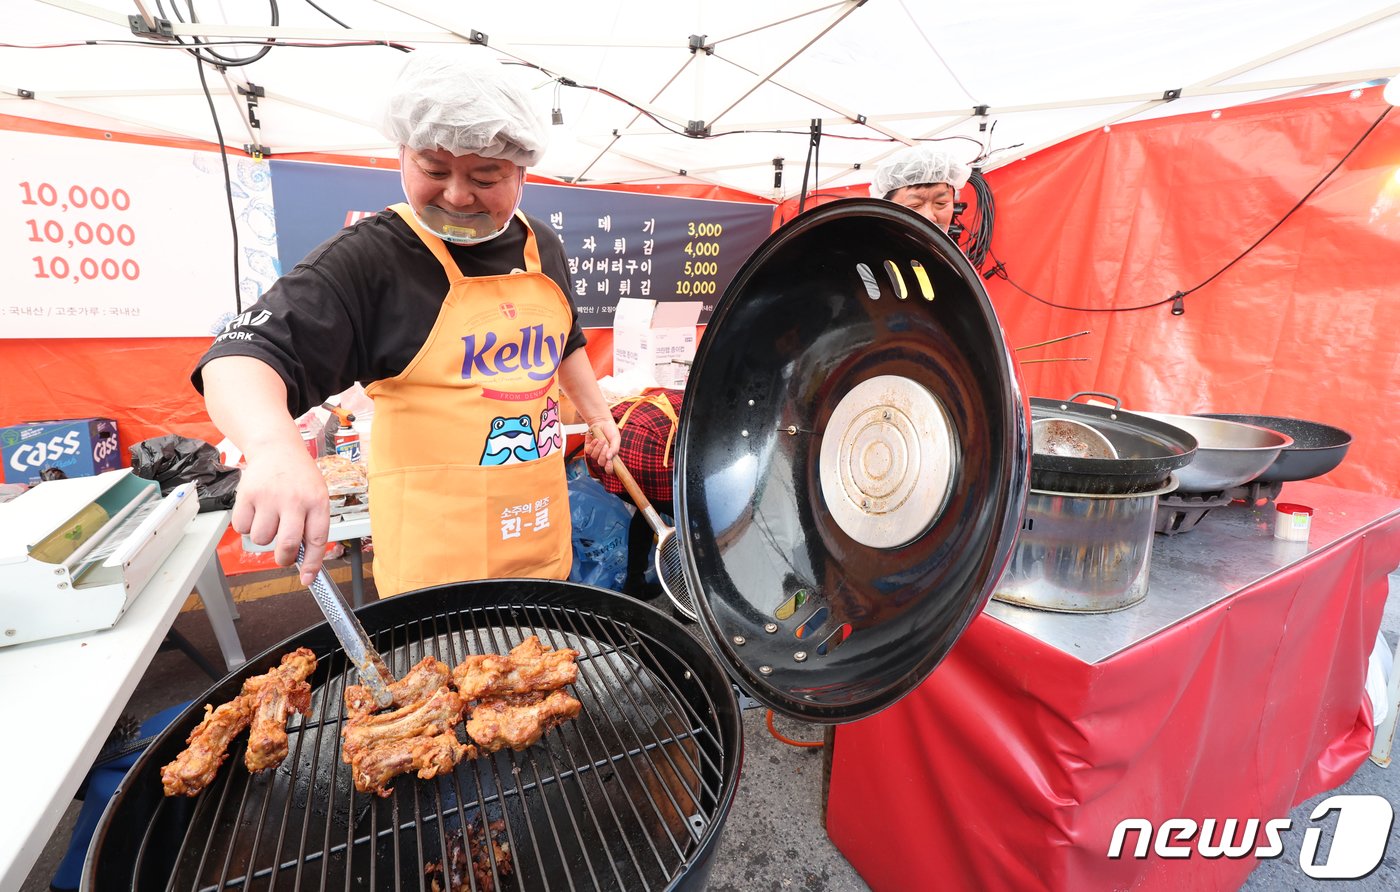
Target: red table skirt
x=1011, y=765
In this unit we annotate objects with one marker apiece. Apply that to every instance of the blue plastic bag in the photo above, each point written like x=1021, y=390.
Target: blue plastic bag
x=600, y=521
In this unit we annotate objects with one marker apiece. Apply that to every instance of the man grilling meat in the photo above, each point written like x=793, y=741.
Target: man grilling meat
x=460, y=318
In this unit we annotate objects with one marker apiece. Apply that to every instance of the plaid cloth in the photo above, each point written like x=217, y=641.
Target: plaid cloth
x=647, y=424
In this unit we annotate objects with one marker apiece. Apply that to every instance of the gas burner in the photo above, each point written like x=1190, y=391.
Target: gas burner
x=1181, y=511
x=1256, y=493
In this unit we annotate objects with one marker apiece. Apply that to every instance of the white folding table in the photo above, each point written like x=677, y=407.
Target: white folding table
x=62, y=697
x=347, y=528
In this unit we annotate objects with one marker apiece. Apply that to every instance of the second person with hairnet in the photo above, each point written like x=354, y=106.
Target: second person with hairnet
x=924, y=179
x=453, y=308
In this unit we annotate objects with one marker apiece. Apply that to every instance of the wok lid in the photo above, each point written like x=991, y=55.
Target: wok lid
x=852, y=461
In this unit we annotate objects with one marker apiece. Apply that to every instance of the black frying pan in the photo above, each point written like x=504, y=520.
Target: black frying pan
x=1148, y=451
x=1317, y=448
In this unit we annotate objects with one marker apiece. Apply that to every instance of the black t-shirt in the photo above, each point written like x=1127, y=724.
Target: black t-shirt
x=361, y=305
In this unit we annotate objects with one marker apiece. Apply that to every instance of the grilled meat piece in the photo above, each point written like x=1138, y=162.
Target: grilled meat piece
x=267, y=739
x=438, y=714
x=519, y=721
x=298, y=664
x=529, y=667
x=195, y=767
x=419, y=737
x=420, y=682
x=428, y=755
x=275, y=696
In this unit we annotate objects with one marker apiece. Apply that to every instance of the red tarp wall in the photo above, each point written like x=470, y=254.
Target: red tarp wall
x=1302, y=326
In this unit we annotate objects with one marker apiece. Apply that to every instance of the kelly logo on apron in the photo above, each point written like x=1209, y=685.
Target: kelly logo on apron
x=467, y=471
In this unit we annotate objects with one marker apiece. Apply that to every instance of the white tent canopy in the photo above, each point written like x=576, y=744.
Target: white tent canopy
x=995, y=81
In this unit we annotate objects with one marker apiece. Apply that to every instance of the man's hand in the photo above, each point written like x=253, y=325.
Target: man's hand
x=602, y=441
x=282, y=499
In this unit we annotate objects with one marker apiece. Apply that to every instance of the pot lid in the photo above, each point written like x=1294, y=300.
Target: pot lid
x=852, y=460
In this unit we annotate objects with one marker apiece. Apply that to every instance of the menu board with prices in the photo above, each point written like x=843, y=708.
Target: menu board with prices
x=618, y=244
x=622, y=244
x=105, y=239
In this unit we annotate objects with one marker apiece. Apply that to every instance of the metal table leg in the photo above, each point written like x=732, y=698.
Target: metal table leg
x=1385, y=734
x=212, y=586
x=174, y=638
x=357, y=572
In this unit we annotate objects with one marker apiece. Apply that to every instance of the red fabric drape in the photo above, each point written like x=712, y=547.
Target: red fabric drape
x=1299, y=327
x=1009, y=768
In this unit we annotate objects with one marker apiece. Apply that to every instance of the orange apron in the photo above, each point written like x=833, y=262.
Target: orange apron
x=466, y=463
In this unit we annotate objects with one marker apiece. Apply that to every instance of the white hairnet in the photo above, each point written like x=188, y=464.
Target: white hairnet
x=918, y=166
x=463, y=101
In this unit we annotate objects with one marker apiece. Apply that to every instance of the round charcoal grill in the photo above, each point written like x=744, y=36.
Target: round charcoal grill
x=632, y=794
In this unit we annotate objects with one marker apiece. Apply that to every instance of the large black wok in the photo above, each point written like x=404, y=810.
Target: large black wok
x=1148, y=451
x=1317, y=448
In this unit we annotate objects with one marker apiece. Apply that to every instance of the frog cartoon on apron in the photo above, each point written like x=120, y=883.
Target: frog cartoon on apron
x=466, y=466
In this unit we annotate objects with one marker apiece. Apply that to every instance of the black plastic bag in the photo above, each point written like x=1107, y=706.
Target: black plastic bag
x=172, y=460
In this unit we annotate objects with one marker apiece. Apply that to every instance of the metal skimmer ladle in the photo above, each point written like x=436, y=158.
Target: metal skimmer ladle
x=1074, y=439
x=670, y=564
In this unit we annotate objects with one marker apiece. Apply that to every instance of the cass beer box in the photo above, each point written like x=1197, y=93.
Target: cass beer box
x=655, y=335
x=54, y=450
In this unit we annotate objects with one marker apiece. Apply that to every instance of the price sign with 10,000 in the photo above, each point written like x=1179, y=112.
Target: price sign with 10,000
x=56, y=229
x=112, y=239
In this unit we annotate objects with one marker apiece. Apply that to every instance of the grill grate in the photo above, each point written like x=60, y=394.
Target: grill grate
x=619, y=798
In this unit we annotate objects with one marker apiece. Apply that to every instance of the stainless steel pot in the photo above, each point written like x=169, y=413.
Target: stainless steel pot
x=1082, y=552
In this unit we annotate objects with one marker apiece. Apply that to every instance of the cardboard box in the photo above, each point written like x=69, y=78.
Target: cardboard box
x=655, y=335
x=76, y=447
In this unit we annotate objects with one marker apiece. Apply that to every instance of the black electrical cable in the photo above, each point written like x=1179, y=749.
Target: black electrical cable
x=1374, y=124
x=999, y=268
x=326, y=14
x=201, y=46
x=228, y=184
x=266, y=41
x=980, y=227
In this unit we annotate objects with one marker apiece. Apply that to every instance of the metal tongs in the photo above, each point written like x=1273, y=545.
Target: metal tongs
x=374, y=672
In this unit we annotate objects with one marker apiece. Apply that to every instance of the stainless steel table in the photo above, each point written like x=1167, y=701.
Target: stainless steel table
x=1236, y=689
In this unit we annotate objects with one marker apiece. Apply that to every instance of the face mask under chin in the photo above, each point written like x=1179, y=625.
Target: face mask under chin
x=461, y=229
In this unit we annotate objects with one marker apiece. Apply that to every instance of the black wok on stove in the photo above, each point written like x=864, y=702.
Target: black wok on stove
x=1148, y=450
